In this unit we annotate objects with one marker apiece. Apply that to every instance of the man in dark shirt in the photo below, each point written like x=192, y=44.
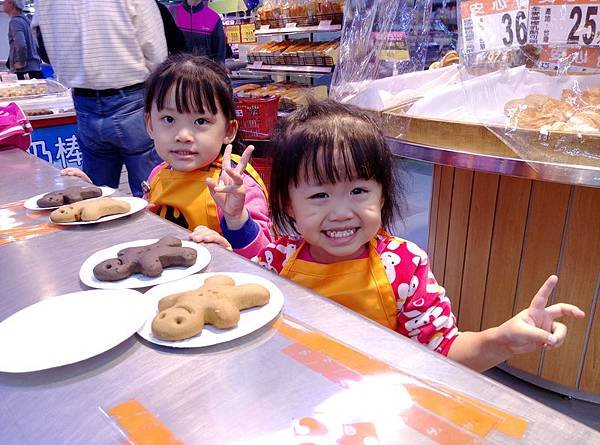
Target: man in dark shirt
x=174, y=35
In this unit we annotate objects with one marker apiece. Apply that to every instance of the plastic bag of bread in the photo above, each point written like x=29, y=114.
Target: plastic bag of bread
x=536, y=88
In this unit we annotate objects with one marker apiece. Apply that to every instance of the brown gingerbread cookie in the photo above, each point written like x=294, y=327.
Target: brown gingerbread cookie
x=89, y=210
x=218, y=302
x=68, y=196
x=148, y=260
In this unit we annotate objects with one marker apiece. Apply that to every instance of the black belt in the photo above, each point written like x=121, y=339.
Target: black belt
x=109, y=92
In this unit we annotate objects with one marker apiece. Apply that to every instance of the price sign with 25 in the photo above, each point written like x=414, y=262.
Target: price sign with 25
x=493, y=24
x=570, y=22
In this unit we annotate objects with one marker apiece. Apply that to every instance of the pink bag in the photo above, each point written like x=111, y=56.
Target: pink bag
x=15, y=128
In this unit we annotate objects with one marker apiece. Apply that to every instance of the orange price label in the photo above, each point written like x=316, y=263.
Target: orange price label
x=553, y=58
x=233, y=34
x=571, y=22
x=248, y=33
x=493, y=24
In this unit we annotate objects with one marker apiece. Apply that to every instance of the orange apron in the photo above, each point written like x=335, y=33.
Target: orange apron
x=184, y=198
x=361, y=284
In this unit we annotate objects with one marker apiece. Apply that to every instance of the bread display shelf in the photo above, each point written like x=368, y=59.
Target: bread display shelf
x=474, y=145
x=299, y=69
x=322, y=27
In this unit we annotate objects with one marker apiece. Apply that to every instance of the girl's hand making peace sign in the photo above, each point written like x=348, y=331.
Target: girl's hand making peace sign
x=230, y=193
x=536, y=326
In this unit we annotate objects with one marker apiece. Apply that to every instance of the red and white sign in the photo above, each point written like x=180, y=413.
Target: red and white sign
x=493, y=24
x=571, y=22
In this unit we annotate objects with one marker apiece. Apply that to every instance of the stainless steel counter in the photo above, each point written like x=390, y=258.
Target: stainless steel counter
x=504, y=165
x=250, y=390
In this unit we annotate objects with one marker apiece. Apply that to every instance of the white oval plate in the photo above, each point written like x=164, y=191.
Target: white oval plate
x=69, y=328
x=250, y=319
x=86, y=273
x=31, y=203
x=135, y=204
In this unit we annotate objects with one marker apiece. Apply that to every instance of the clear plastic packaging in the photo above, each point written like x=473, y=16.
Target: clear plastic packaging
x=381, y=39
x=530, y=73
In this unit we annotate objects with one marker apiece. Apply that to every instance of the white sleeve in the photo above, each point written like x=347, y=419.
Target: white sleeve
x=149, y=31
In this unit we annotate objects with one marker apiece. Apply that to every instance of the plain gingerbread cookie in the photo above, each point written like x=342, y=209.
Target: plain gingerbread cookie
x=218, y=302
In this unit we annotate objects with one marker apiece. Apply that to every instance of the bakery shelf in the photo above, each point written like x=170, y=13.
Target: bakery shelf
x=292, y=69
x=263, y=32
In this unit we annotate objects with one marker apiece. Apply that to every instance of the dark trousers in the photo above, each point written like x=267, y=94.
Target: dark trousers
x=32, y=75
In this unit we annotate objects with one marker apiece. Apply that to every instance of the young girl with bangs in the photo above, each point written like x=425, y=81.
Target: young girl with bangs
x=201, y=185
x=333, y=193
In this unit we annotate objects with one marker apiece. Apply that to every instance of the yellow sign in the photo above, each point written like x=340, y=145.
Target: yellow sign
x=233, y=33
x=227, y=6
x=247, y=31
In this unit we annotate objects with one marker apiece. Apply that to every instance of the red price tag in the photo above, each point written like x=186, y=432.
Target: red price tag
x=571, y=22
x=493, y=24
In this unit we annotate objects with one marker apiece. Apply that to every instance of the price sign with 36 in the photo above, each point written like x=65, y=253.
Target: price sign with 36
x=493, y=24
x=571, y=22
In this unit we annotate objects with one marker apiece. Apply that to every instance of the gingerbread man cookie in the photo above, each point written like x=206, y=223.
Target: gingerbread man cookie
x=89, y=210
x=218, y=302
x=148, y=260
x=68, y=196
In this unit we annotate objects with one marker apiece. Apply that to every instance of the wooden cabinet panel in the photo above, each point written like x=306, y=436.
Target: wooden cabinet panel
x=477, y=254
x=541, y=251
x=505, y=256
x=457, y=235
x=578, y=274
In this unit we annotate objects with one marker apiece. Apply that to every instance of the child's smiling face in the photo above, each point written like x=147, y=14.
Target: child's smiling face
x=336, y=220
x=188, y=141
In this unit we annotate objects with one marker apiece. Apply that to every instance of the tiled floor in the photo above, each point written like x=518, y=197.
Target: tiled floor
x=417, y=179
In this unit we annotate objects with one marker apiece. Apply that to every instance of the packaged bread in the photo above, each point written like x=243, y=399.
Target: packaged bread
x=575, y=111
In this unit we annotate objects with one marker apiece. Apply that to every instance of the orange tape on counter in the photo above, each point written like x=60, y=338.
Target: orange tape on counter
x=316, y=351
x=17, y=223
x=141, y=426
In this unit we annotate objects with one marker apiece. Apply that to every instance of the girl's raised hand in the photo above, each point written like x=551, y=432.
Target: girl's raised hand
x=535, y=327
x=203, y=234
x=230, y=193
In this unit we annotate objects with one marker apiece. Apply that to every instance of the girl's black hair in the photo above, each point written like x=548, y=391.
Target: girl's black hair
x=200, y=85
x=312, y=140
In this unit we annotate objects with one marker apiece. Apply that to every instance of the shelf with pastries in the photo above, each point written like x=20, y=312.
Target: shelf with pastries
x=299, y=13
x=297, y=55
x=323, y=26
x=40, y=99
x=13, y=89
x=292, y=94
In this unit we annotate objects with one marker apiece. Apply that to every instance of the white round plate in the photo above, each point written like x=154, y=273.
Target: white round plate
x=69, y=328
x=86, y=273
x=31, y=203
x=250, y=319
x=135, y=204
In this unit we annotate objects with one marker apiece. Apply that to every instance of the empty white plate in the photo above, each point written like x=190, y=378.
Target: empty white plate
x=69, y=328
x=250, y=319
x=31, y=203
x=135, y=204
x=86, y=273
